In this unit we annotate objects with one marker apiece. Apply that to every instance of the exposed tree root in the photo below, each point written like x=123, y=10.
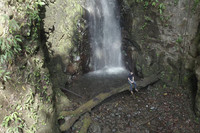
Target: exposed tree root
x=74, y=115
x=86, y=123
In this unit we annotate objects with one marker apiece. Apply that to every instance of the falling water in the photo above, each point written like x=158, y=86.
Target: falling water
x=105, y=34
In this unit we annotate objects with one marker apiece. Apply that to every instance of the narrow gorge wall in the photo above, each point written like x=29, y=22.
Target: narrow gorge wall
x=26, y=93
x=160, y=36
x=53, y=50
x=65, y=38
x=48, y=54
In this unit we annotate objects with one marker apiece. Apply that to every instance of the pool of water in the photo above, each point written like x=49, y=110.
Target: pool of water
x=93, y=83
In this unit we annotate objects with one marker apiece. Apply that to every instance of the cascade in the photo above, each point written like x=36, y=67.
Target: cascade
x=105, y=35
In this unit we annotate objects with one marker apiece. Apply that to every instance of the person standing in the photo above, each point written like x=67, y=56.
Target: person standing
x=132, y=81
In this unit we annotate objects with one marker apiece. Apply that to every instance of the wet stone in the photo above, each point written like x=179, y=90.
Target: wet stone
x=108, y=117
x=152, y=108
x=120, y=109
x=95, y=128
x=114, y=130
x=112, y=114
x=98, y=116
x=116, y=114
x=128, y=115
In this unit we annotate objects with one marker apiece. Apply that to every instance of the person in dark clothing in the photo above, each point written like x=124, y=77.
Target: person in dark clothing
x=131, y=82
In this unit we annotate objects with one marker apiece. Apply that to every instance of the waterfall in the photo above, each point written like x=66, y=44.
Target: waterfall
x=105, y=34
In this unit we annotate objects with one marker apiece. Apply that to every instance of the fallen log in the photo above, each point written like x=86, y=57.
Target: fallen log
x=88, y=106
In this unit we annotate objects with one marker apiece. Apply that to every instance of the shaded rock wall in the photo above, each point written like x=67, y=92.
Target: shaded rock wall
x=193, y=65
x=155, y=39
x=66, y=39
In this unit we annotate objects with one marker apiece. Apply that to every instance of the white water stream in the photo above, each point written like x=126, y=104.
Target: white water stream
x=105, y=35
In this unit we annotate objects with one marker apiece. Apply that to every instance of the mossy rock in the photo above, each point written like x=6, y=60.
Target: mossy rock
x=62, y=101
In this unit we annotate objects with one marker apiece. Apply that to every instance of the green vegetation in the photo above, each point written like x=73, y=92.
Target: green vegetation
x=161, y=8
x=11, y=44
x=35, y=20
x=196, y=3
x=176, y=2
x=155, y=3
x=147, y=18
x=4, y=76
x=9, y=48
x=13, y=122
x=143, y=26
x=17, y=45
x=179, y=40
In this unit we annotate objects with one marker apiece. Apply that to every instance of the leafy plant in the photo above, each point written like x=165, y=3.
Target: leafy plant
x=35, y=20
x=176, y=2
x=146, y=3
x=142, y=28
x=161, y=8
x=17, y=122
x=197, y=2
x=40, y=3
x=13, y=26
x=29, y=101
x=179, y=40
x=9, y=47
x=4, y=75
x=147, y=18
x=155, y=3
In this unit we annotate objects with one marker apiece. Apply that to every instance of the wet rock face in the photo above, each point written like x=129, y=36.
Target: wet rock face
x=64, y=27
x=171, y=44
x=154, y=41
x=196, y=69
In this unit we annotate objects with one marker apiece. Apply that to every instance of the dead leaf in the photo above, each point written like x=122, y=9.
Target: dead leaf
x=165, y=94
x=23, y=88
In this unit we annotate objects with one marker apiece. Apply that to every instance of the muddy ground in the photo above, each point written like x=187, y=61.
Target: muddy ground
x=156, y=109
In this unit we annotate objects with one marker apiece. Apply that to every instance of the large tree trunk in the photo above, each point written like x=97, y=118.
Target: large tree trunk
x=73, y=116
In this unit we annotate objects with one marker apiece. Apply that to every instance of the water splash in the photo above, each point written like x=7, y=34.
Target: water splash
x=105, y=35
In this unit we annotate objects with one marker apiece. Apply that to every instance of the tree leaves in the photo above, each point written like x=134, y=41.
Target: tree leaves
x=9, y=47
